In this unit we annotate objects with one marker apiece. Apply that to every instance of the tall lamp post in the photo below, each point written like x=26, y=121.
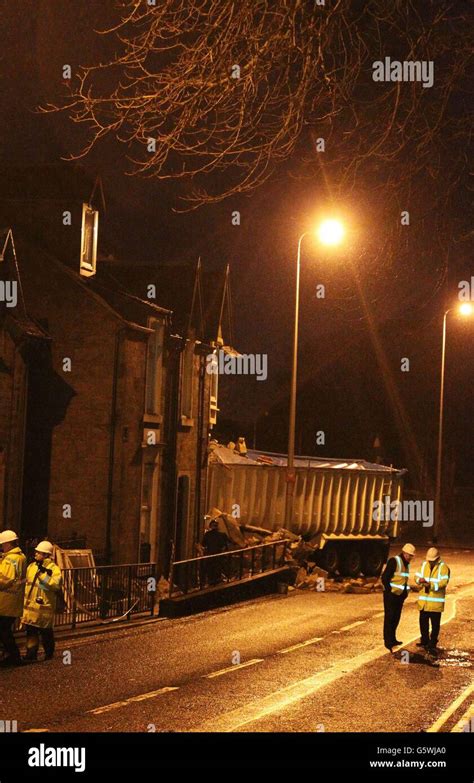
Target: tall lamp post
x=464, y=309
x=330, y=233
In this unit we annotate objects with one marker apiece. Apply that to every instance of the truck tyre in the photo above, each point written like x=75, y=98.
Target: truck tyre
x=351, y=561
x=331, y=558
x=373, y=559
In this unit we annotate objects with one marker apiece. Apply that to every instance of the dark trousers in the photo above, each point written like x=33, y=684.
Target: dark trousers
x=213, y=570
x=425, y=618
x=393, y=605
x=7, y=638
x=33, y=635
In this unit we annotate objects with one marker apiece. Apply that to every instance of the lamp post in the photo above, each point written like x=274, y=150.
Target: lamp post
x=330, y=232
x=464, y=309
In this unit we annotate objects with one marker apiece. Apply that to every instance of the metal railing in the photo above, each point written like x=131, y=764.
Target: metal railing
x=199, y=573
x=102, y=592
x=107, y=592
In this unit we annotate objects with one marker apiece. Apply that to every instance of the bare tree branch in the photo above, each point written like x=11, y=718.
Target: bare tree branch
x=216, y=93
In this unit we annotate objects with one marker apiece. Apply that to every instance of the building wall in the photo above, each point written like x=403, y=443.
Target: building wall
x=13, y=388
x=81, y=416
x=191, y=454
x=128, y=459
x=84, y=455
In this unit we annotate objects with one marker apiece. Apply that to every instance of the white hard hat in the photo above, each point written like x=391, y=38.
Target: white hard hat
x=7, y=536
x=45, y=547
x=432, y=553
x=409, y=549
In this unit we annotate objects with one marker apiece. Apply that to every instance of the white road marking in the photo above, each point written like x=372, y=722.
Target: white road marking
x=301, y=644
x=32, y=731
x=291, y=694
x=233, y=668
x=287, y=696
x=141, y=697
x=379, y=614
x=352, y=625
x=452, y=708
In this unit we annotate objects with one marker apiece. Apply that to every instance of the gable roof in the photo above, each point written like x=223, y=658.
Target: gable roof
x=16, y=318
x=197, y=297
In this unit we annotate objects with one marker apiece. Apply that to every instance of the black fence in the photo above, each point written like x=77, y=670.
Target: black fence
x=199, y=573
x=106, y=592
x=103, y=592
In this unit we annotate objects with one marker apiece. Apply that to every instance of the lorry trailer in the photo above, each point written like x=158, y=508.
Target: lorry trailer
x=339, y=507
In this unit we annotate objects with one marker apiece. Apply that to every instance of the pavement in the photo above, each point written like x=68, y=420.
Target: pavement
x=305, y=662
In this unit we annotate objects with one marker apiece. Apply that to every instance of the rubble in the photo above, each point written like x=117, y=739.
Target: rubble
x=311, y=580
x=299, y=556
x=162, y=589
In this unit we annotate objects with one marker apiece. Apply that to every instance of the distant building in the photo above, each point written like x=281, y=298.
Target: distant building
x=105, y=404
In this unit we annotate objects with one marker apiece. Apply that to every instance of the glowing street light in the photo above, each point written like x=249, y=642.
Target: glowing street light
x=465, y=309
x=329, y=232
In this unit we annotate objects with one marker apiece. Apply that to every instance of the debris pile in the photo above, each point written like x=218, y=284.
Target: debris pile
x=318, y=579
x=299, y=556
x=162, y=589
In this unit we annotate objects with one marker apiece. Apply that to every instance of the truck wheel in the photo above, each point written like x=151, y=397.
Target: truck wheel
x=373, y=559
x=351, y=562
x=331, y=557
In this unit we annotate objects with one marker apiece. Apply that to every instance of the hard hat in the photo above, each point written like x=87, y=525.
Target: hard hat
x=45, y=547
x=409, y=549
x=7, y=536
x=432, y=554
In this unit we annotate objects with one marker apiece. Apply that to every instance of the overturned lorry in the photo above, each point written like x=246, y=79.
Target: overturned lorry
x=340, y=506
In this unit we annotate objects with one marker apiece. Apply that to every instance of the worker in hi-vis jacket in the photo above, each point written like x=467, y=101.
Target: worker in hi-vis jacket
x=395, y=582
x=433, y=577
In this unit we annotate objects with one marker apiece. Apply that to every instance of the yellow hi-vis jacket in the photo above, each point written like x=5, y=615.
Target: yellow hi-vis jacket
x=400, y=578
x=12, y=583
x=432, y=596
x=40, y=594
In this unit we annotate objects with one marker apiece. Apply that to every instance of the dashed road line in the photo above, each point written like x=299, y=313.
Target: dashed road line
x=352, y=625
x=132, y=699
x=233, y=668
x=301, y=644
x=33, y=731
x=294, y=693
x=285, y=697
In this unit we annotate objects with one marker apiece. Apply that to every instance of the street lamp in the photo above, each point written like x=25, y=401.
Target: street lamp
x=329, y=232
x=464, y=309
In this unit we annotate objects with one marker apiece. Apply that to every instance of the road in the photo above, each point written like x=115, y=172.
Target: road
x=305, y=662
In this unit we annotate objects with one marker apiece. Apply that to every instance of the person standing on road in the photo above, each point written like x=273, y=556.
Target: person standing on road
x=433, y=578
x=214, y=542
x=12, y=588
x=43, y=584
x=395, y=582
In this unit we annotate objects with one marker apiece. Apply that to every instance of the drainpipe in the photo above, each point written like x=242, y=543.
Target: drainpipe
x=113, y=421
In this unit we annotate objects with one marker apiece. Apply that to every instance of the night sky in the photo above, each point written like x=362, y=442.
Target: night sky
x=386, y=291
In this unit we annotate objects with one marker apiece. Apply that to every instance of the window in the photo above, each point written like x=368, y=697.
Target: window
x=90, y=223
x=154, y=367
x=213, y=409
